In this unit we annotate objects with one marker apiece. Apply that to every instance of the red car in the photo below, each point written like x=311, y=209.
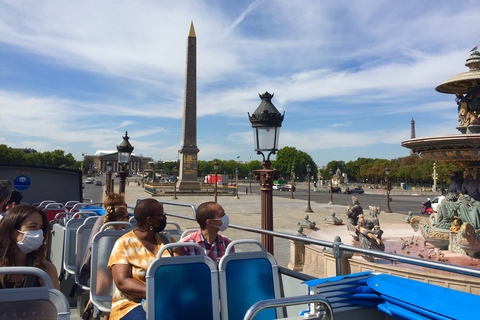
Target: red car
x=287, y=187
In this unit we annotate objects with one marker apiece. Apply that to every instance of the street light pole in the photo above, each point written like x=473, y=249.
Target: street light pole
x=293, y=179
x=250, y=178
x=387, y=172
x=125, y=150
x=331, y=185
x=175, y=183
x=266, y=122
x=309, y=209
x=236, y=184
x=109, y=177
x=215, y=167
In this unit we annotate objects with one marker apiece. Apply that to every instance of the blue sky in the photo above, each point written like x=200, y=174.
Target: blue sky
x=75, y=75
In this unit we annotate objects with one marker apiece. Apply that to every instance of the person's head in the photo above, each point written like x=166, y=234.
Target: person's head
x=114, y=199
x=210, y=215
x=23, y=229
x=116, y=213
x=15, y=198
x=150, y=215
x=5, y=193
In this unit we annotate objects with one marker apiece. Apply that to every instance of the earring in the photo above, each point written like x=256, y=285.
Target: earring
x=151, y=227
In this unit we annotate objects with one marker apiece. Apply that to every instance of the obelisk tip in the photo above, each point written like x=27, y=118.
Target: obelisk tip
x=192, y=31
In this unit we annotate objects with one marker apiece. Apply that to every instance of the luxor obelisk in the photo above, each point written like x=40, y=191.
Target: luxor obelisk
x=188, y=153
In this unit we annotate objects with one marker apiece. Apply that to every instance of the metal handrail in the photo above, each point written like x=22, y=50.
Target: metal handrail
x=339, y=248
x=290, y=301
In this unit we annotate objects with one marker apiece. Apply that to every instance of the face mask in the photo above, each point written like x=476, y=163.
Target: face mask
x=225, y=220
x=161, y=227
x=32, y=240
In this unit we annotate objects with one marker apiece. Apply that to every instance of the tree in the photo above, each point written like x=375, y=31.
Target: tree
x=290, y=156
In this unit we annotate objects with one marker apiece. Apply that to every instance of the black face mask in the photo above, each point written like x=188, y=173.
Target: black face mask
x=161, y=227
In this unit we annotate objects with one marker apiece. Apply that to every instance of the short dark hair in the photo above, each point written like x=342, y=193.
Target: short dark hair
x=205, y=212
x=145, y=208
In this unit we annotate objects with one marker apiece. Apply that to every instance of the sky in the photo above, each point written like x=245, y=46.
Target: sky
x=349, y=75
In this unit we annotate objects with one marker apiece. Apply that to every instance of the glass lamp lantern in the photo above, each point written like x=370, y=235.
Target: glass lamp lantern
x=125, y=150
x=266, y=122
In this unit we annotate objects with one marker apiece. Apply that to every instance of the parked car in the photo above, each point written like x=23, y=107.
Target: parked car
x=89, y=181
x=336, y=190
x=436, y=202
x=98, y=183
x=277, y=186
x=287, y=187
x=358, y=190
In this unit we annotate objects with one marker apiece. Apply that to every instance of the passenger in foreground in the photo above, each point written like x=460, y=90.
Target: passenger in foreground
x=131, y=256
x=211, y=218
x=24, y=233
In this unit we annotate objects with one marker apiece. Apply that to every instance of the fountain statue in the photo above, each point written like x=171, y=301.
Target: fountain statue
x=352, y=217
x=456, y=225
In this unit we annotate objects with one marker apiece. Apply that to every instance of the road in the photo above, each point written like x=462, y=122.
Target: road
x=399, y=204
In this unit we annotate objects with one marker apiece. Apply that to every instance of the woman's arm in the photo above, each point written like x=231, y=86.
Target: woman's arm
x=122, y=275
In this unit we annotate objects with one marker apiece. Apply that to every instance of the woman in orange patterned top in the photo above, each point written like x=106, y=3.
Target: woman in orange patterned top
x=130, y=258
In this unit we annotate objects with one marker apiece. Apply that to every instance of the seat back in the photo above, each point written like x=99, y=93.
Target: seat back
x=101, y=280
x=81, y=243
x=246, y=278
x=69, y=204
x=56, y=249
x=78, y=206
x=173, y=229
x=52, y=209
x=40, y=303
x=133, y=221
x=70, y=244
x=187, y=232
x=183, y=287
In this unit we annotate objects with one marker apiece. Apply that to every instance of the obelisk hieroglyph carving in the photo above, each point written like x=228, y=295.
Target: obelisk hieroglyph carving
x=188, y=153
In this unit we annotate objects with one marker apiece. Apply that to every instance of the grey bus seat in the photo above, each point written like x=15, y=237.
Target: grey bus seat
x=70, y=245
x=101, y=279
x=188, y=231
x=182, y=287
x=175, y=232
x=246, y=278
x=39, y=303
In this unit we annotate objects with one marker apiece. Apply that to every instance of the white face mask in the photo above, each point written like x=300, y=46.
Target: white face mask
x=32, y=240
x=225, y=220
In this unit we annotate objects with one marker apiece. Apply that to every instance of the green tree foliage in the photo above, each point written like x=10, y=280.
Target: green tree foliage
x=56, y=158
x=290, y=156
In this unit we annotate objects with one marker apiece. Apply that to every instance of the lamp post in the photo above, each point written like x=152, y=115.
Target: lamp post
x=387, y=172
x=236, y=184
x=292, y=175
x=250, y=179
x=435, y=177
x=175, y=182
x=266, y=122
x=109, y=177
x=125, y=150
x=309, y=209
x=215, y=167
x=331, y=185
x=152, y=166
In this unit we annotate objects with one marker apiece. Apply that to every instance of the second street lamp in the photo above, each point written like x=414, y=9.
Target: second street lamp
x=109, y=177
x=215, y=167
x=387, y=172
x=125, y=150
x=309, y=209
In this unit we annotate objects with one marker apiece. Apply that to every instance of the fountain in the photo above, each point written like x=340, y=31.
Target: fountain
x=456, y=225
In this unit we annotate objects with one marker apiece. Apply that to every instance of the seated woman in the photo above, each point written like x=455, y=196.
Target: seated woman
x=24, y=233
x=113, y=214
x=131, y=256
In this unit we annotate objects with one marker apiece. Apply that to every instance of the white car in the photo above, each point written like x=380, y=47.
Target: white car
x=276, y=186
x=89, y=181
x=436, y=202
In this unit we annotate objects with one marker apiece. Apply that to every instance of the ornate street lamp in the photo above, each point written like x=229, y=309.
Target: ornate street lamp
x=387, y=172
x=109, y=176
x=266, y=122
x=331, y=185
x=236, y=184
x=125, y=150
x=309, y=169
x=175, y=182
x=215, y=167
x=292, y=175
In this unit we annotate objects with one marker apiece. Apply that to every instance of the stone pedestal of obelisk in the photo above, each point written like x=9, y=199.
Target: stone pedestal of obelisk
x=188, y=179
